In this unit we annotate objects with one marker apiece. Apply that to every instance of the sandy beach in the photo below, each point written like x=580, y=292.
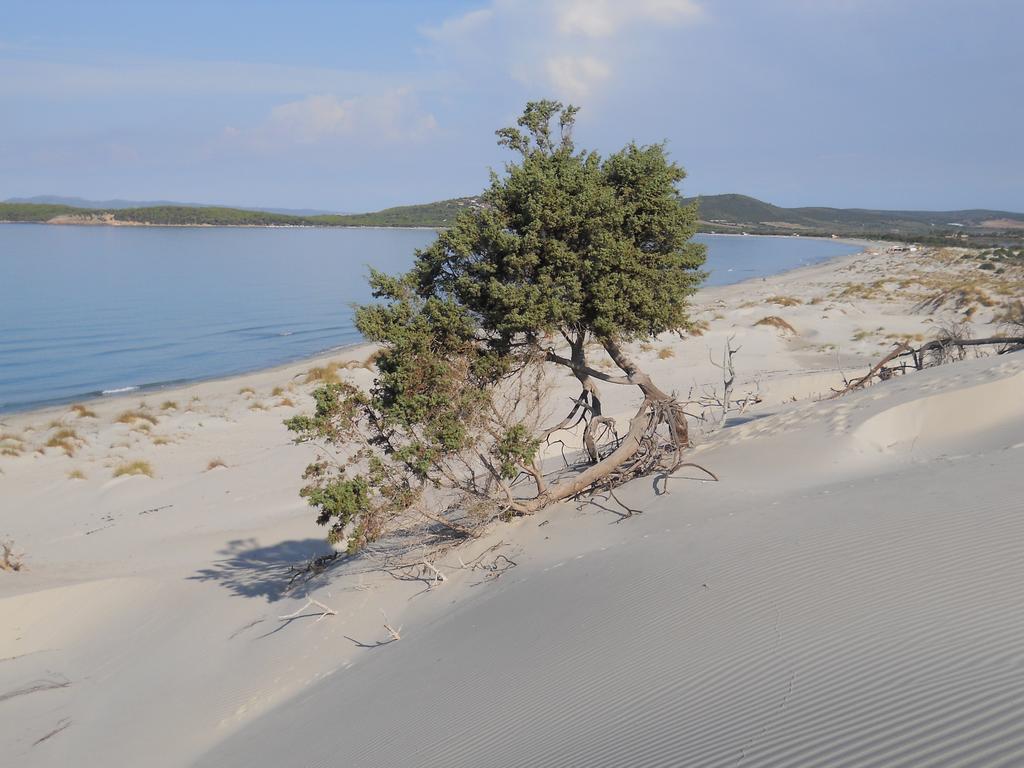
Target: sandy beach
x=847, y=594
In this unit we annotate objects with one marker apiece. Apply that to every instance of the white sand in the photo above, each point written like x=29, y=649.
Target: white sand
x=847, y=595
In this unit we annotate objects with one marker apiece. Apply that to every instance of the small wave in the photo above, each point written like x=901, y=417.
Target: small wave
x=118, y=391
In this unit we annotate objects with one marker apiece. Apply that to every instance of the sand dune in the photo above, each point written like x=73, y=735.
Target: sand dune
x=847, y=595
x=873, y=622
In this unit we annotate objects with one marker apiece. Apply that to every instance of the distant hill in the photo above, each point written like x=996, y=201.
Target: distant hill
x=439, y=214
x=727, y=213
x=718, y=213
x=113, y=205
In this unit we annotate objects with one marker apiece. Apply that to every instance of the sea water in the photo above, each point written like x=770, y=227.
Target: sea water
x=91, y=310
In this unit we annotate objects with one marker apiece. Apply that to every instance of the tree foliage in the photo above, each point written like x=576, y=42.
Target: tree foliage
x=566, y=249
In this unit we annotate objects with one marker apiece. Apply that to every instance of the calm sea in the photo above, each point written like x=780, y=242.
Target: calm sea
x=86, y=311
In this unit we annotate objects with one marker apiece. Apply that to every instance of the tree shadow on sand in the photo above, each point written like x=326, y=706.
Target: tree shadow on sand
x=249, y=570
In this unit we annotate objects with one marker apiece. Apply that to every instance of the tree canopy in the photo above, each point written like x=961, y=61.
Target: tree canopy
x=566, y=249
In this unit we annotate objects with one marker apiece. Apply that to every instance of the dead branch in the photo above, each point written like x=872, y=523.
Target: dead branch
x=395, y=633
x=9, y=559
x=439, y=577
x=938, y=348
x=326, y=610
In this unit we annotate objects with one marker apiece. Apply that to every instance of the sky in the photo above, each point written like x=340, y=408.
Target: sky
x=356, y=106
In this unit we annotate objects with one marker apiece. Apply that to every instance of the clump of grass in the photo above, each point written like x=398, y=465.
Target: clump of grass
x=82, y=412
x=784, y=301
x=214, y=463
x=277, y=391
x=371, y=362
x=665, y=353
x=325, y=374
x=131, y=417
x=11, y=444
x=647, y=347
x=286, y=402
x=66, y=439
x=778, y=323
x=247, y=391
x=169, y=405
x=257, y=407
x=134, y=468
x=162, y=440
x=698, y=328
x=76, y=474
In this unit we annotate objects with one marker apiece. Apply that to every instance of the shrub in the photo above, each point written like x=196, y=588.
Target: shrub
x=777, y=323
x=784, y=301
x=133, y=416
x=134, y=468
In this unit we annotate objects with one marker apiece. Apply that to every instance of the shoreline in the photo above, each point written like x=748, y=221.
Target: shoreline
x=170, y=388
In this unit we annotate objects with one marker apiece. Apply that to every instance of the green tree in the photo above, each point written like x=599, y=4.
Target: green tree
x=566, y=250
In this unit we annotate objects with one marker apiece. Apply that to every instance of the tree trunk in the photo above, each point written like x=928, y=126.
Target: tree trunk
x=627, y=448
x=579, y=361
x=648, y=387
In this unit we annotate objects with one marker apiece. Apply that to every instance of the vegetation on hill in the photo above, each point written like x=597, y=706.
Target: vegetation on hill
x=718, y=213
x=569, y=256
x=732, y=213
x=440, y=214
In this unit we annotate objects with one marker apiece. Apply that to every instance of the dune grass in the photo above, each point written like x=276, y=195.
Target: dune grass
x=83, y=412
x=323, y=374
x=11, y=444
x=214, y=463
x=247, y=391
x=76, y=474
x=286, y=402
x=169, y=405
x=665, y=353
x=134, y=468
x=65, y=438
x=133, y=416
x=277, y=391
x=784, y=301
x=776, y=322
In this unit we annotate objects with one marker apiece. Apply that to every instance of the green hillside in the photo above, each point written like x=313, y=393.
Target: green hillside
x=718, y=213
x=729, y=213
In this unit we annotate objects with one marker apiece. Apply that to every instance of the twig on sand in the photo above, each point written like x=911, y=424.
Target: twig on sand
x=326, y=610
x=438, y=576
x=395, y=633
x=61, y=725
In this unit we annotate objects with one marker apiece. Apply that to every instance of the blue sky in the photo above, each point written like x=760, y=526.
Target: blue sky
x=360, y=105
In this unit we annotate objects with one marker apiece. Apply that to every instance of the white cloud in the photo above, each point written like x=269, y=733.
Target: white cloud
x=606, y=18
x=391, y=116
x=313, y=118
x=572, y=49
x=455, y=28
x=576, y=76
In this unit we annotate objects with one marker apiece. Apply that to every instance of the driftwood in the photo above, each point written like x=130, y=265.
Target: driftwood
x=918, y=357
